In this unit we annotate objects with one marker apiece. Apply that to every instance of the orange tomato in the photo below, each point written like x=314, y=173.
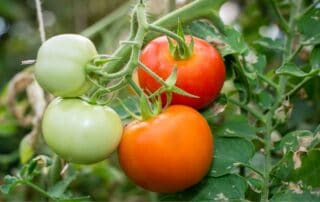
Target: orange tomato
x=169, y=152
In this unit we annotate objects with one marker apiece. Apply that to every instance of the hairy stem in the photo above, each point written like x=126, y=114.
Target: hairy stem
x=40, y=21
x=197, y=10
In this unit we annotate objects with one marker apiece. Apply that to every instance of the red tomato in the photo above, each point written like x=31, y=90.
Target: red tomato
x=202, y=74
x=169, y=152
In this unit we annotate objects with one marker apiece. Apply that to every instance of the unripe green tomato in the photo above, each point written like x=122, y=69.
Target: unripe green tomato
x=80, y=132
x=60, y=64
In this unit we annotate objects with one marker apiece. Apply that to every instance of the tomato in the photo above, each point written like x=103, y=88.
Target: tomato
x=80, y=132
x=169, y=152
x=60, y=64
x=202, y=74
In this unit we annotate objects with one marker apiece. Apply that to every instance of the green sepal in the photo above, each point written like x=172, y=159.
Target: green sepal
x=182, y=50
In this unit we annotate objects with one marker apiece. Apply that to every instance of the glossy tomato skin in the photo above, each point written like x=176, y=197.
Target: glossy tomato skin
x=202, y=74
x=60, y=64
x=169, y=152
x=80, y=132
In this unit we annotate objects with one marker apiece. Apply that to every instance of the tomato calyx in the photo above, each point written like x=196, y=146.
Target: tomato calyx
x=181, y=50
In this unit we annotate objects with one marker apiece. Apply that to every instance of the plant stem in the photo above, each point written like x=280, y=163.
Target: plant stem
x=151, y=73
x=40, y=21
x=290, y=30
x=107, y=20
x=267, y=80
x=298, y=86
x=196, y=10
x=282, y=22
x=253, y=169
x=252, y=111
x=38, y=189
x=166, y=32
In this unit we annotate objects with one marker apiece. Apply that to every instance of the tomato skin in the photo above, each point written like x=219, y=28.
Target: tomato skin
x=80, y=132
x=203, y=74
x=169, y=152
x=60, y=65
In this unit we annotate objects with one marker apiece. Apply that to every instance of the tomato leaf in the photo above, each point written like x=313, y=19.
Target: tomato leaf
x=303, y=169
x=309, y=25
x=235, y=126
x=225, y=188
x=230, y=43
x=229, y=151
x=292, y=141
x=295, y=197
x=26, y=149
x=59, y=188
x=315, y=58
x=291, y=70
x=10, y=182
x=273, y=44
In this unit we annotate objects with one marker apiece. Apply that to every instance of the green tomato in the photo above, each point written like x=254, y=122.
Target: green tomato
x=80, y=132
x=60, y=64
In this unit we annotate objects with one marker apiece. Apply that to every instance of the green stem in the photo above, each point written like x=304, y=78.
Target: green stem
x=309, y=8
x=196, y=10
x=282, y=22
x=107, y=20
x=152, y=73
x=291, y=57
x=38, y=189
x=252, y=168
x=298, y=86
x=134, y=86
x=268, y=81
x=167, y=32
x=252, y=111
x=290, y=30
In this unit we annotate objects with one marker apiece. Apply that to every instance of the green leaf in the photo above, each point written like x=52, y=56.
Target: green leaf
x=291, y=69
x=236, y=126
x=273, y=44
x=228, y=187
x=10, y=182
x=284, y=167
x=295, y=197
x=309, y=26
x=59, y=188
x=265, y=99
x=75, y=199
x=26, y=149
x=235, y=40
x=131, y=102
x=229, y=151
x=230, y=43
x=309, y=172
x=255, y=184
x=315, y=58
x=255, y=62
x=293, y=140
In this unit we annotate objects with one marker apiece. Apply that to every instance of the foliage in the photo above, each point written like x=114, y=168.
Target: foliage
x=265, y=122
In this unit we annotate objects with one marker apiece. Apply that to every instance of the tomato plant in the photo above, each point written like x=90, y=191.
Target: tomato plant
x=80, y=132
x=265, y=120
x=202, y=74
x=60, y=64
x=169, y=152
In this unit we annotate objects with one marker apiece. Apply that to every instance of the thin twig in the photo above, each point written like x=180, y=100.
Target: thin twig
x=282, y=22
x=40, y=21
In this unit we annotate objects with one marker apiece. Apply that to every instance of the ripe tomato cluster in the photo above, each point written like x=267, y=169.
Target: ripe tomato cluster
x=166, y=153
